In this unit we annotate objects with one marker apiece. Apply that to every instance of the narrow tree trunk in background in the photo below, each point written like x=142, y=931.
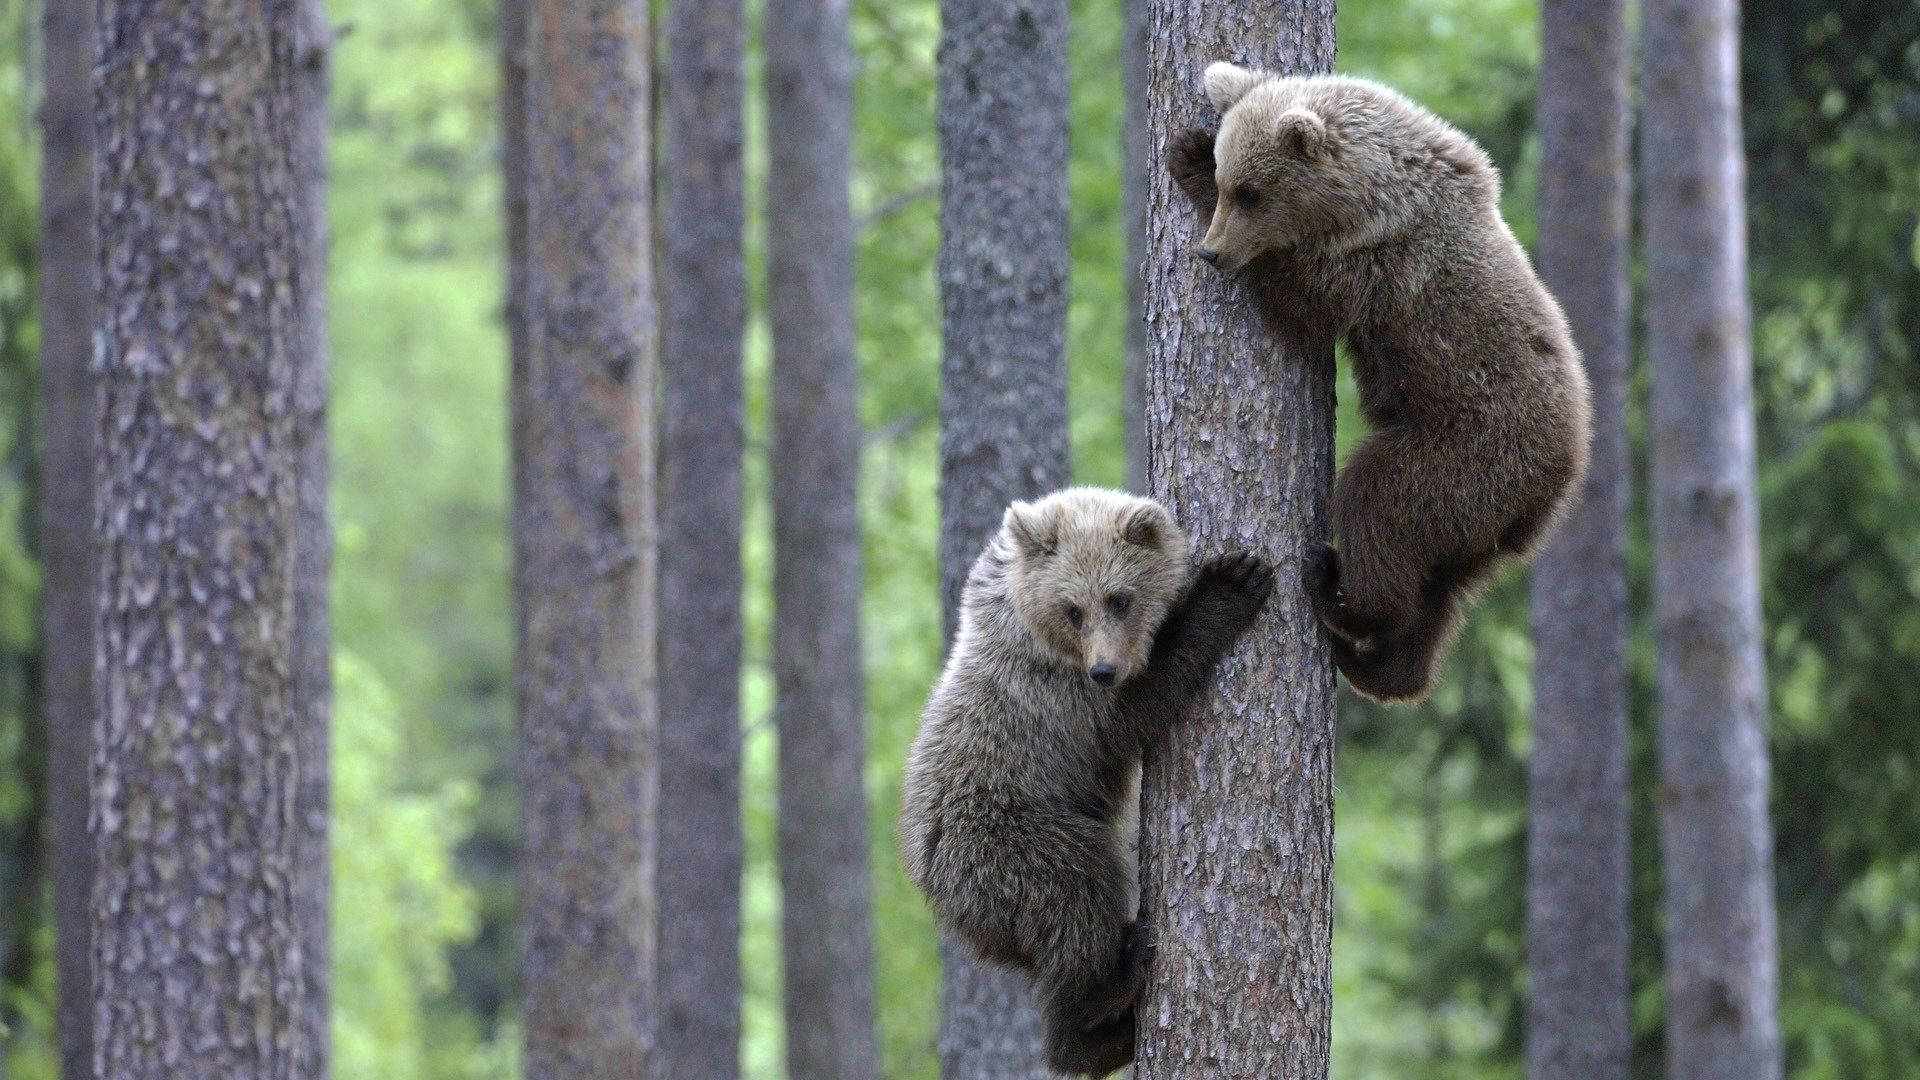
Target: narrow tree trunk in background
x=1715, y=839
x=1237, y=818
x=1004, y=263
x=703, y=293
x=313, y=536
x=66, y=519
x=584, y=535
x=199, y=752
x=1137, y=163
x=824, y=871
x=1577, y=875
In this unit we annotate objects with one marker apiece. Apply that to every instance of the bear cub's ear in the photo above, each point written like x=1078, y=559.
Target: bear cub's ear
x=1301, y=131
x=1035, y=532
x=1227, y=83
x=1146, y=527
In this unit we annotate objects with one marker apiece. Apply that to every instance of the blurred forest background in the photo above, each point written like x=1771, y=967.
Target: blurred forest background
x=1428, y=952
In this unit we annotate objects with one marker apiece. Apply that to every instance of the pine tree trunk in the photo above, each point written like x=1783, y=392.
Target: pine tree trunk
x=1004, y=264
x=1715, y=838
x=1137, y=165
x=199, y=749
x=1237, y=815
x=313, y=537
x=824, y=871
x=1577, y=879
x=584, y=534
x=67, y=270
x=703, y=294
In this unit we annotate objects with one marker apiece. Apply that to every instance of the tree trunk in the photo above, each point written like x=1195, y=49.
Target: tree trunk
x=67, y=270
x=199, y=749
x=1715, y=839
x=313, y=536
x=584, y=534
x=1137, y=165
x=1237, y=815
x=824, y=871
x=1004, y=264
x=703, y=290
x=1577, y=881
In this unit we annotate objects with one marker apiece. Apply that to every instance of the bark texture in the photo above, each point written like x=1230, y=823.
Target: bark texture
x=1577, y=871
x=584, y=535
x=313, y=538
x=1004, y=261
x=66, y=520
x=1137, y=165
x=824, y=871
x=199, y=951
x=703, y=293
x=1237, y=815
x=1716, y=843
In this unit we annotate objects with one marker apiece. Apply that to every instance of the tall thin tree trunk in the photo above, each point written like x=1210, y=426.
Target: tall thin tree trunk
x=824, y=872
x=1715, y=839
x=584, y=534
x=313, y=536
x=199, y=752
x=1577, y=877
x=1004, y=263
x=703, y=293
x=67, y=270
x=1137, y=165
x=1237, y=815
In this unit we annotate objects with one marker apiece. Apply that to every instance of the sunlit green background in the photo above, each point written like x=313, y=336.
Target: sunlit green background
x=1428, y=974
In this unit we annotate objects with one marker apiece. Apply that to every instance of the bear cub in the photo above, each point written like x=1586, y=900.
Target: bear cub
x=1350, y=211
x=1084, y=634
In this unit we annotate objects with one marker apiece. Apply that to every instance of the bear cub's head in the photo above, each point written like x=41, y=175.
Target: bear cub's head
x=1321, y=160
x=1093, y=574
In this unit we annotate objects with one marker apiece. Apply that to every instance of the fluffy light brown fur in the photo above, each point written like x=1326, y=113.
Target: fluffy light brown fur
x=1018, y=809
x=1349, y=210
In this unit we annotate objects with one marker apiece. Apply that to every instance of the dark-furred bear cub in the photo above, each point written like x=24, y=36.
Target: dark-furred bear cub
x=1349, y=210
x=1083, y=635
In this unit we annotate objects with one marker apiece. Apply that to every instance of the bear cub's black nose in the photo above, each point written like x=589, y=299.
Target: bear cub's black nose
x=1102, y=674
x=1210, y=255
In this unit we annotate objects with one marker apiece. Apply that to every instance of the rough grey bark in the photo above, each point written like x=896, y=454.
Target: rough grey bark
x=824, y=872
x=584, y=534
x=703, y=294
x=66, y=519
x=1577, y=874
x=1137, y=164
x=199, y=752
x=1004, y=261
x=1715, y=840
x=313, y=537
x=1237, y=815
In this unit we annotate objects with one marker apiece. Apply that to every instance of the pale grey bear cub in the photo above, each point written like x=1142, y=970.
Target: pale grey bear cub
x=1084, y=633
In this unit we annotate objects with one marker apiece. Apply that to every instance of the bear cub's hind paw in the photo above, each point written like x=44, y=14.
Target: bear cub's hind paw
x=1320, y=577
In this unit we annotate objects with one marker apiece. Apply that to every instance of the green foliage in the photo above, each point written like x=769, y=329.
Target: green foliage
x=26, y=1021
x=421, y=597
x=398, y=899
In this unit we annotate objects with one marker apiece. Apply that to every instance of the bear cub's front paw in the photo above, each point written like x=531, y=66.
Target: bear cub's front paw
x=1233, y=588
x=1190, y=160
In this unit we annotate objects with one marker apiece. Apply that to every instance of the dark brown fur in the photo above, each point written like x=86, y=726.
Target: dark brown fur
x=1017, y=805
x=1354, y=212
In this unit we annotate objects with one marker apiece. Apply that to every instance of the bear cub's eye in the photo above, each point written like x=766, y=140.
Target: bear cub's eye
x=1075, y=615
x=1246, y=198
x=1119, y=604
